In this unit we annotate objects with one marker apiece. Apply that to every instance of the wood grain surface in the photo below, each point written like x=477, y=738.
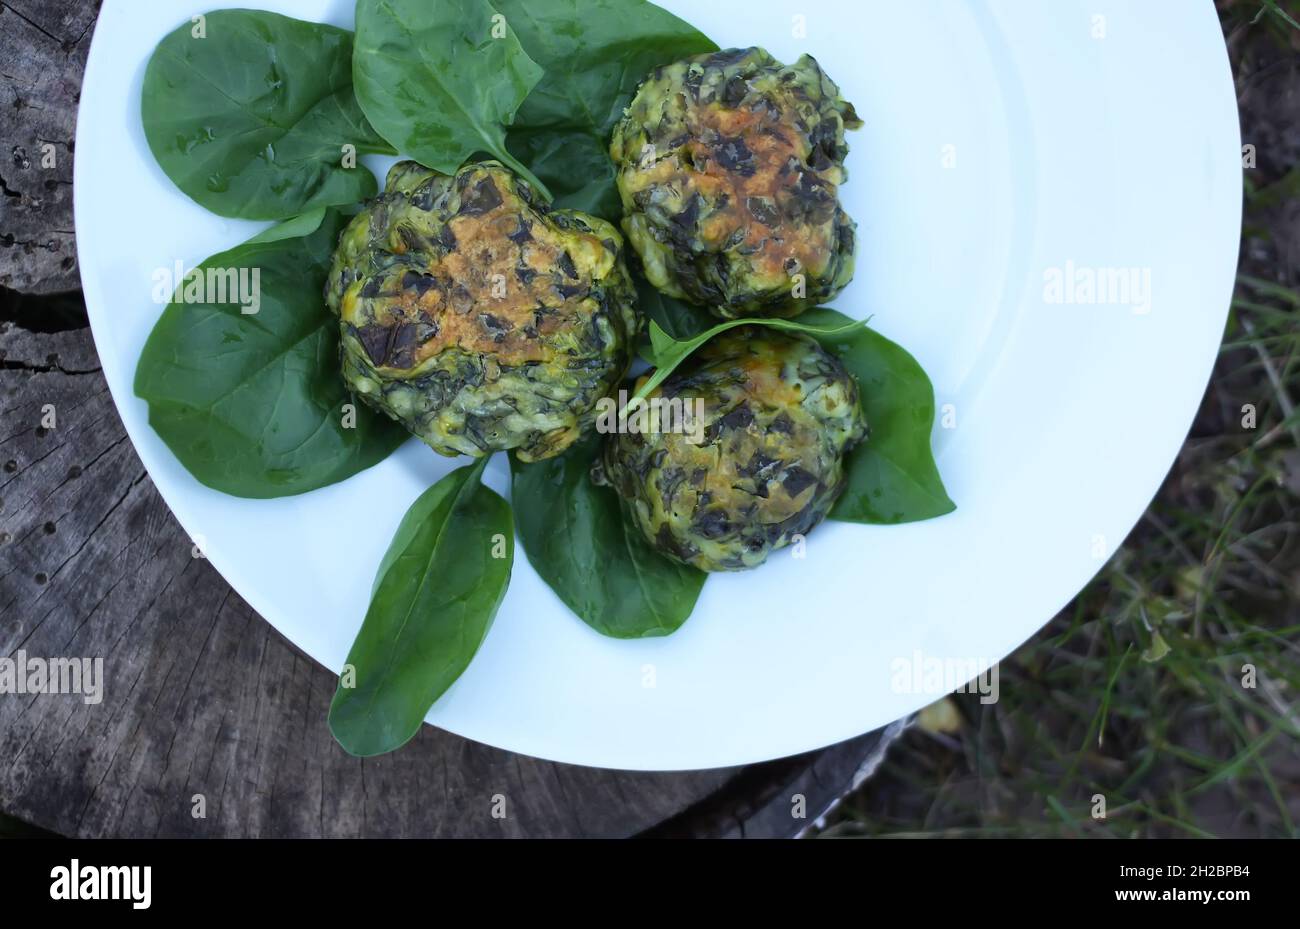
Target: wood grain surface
x=43, y=47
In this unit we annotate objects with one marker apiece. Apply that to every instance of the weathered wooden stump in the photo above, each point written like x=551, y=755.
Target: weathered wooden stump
x=43, y=47
x=201, y=697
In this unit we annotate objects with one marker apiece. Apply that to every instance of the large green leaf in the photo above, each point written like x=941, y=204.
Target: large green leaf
x=251, y=117
x=892, y=477
x=667, y=353
x=576, y=538
x=681, y=320
x=441, y=80
x=575, y=167
x=595, y=53
x=254, y=404
x=438, y=589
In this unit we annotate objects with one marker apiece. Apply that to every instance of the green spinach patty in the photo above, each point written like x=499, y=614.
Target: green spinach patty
x=779, y=414
x=478, y=317
x=729, y=167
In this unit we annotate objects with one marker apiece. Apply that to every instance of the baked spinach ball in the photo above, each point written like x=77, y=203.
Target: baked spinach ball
x=779, y=413
x=729, y=167
x=478, y=317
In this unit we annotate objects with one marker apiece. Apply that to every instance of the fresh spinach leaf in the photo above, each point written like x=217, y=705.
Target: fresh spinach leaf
x=892, y=477
x=574, y=166
x=249, y=116
x=595, y=53
x=438, y=590
x=253, y=404
x=678, y=319
x=667, y=353
x=576, y=538
x=295, y=228
x=442, y=81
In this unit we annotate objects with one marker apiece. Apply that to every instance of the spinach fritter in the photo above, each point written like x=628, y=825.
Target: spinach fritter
x=779, y=414
x=729, y=167
x=478, y=317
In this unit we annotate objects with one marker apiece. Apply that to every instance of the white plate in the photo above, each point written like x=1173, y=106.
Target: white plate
x=1076, y=143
